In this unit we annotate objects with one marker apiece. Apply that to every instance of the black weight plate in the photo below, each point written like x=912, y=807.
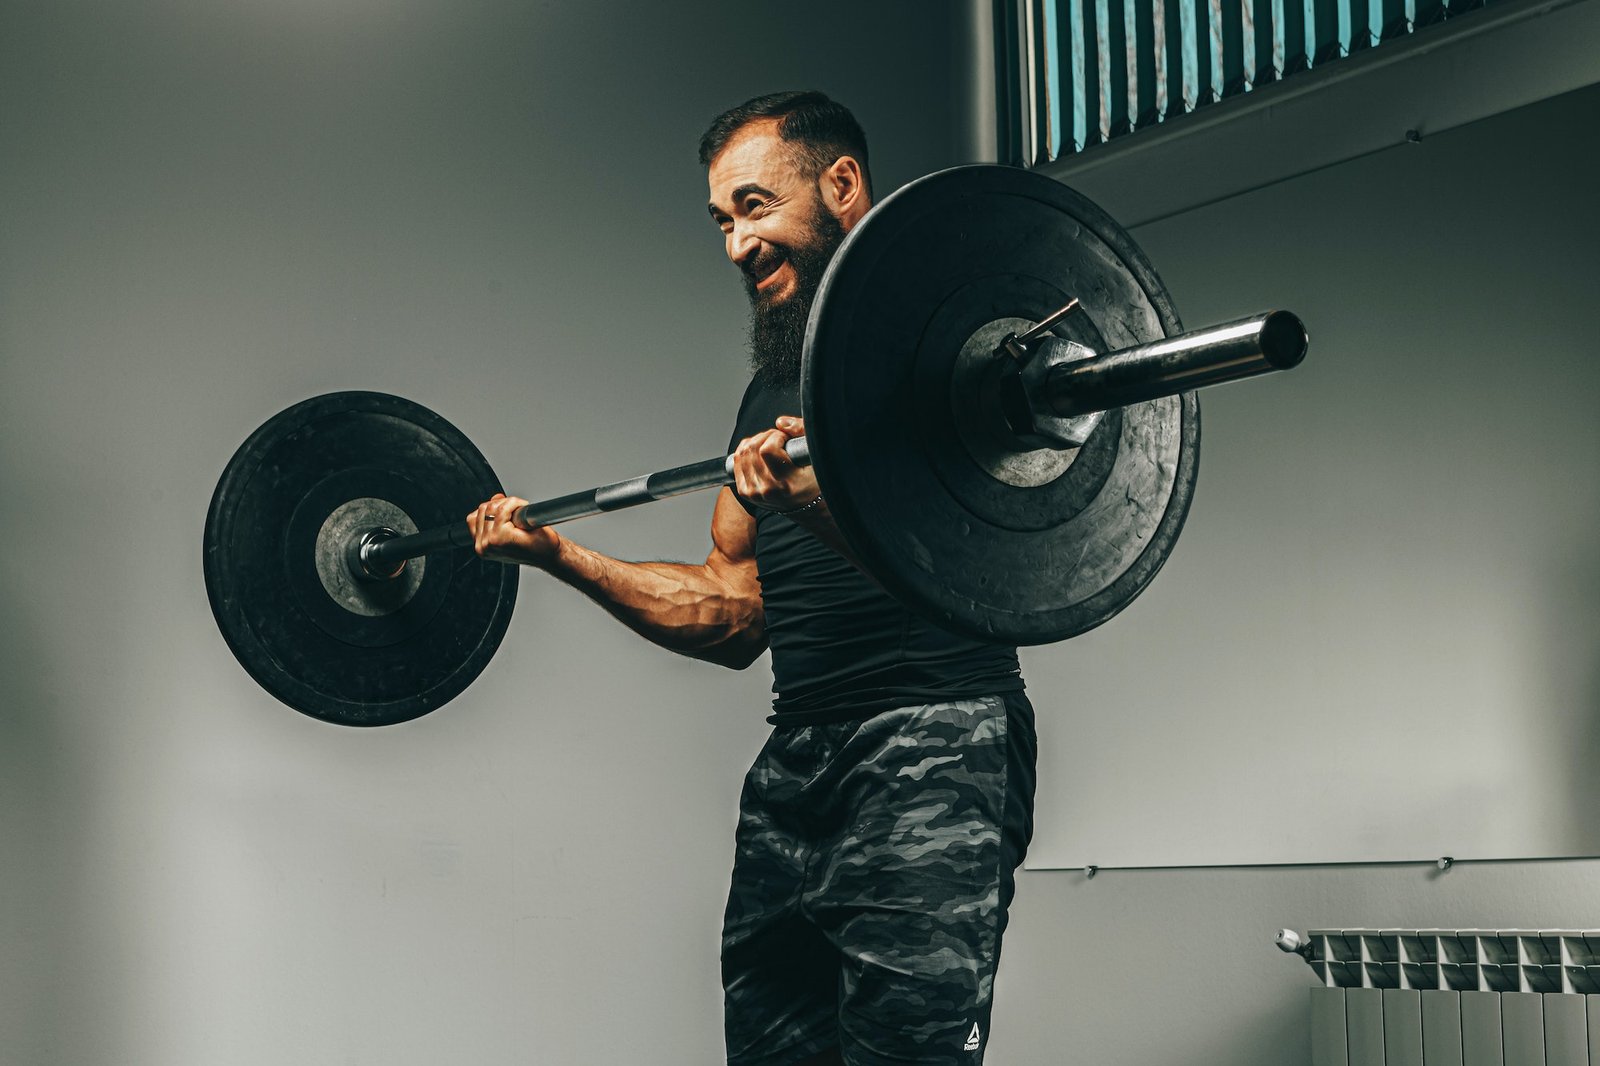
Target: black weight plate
x=335, y=648
x=932, y=265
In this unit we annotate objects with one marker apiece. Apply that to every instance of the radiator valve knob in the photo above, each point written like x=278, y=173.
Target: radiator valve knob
x=1294, y=943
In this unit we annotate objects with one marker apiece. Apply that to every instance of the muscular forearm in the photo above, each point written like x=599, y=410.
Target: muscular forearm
x=691, y=609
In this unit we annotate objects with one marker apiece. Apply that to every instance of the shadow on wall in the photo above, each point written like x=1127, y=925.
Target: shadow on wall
x=1263, y=1032
x=40, y=827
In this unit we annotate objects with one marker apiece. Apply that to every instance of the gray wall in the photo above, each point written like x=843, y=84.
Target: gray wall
x=1449, y=290
x=214, y=210
x=209, y=211
x=1384, y=598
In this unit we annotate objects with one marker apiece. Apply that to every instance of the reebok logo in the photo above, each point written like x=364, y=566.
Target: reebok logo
x=973, y=1039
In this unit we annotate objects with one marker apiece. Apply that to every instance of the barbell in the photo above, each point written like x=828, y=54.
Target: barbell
x=1000, y=410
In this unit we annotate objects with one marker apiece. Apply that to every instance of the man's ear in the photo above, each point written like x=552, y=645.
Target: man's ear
x=844, y=190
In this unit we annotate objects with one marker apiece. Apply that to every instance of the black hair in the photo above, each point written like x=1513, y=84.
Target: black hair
x=819, y=130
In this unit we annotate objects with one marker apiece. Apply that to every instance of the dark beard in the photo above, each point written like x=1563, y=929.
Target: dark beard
x=778, y=330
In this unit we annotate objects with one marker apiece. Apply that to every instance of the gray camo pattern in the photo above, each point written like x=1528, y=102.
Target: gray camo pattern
x=865, y=908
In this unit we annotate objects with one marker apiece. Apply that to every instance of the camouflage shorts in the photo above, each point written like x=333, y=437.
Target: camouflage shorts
x=871, y=879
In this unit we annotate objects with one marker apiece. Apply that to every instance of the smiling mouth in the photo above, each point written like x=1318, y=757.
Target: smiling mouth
x=765, y=277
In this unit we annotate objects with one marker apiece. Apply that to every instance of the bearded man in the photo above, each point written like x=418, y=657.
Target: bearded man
x=882, y=822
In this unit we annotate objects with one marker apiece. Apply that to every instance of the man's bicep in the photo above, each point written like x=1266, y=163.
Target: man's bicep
x=733, y=535
x=732, y=563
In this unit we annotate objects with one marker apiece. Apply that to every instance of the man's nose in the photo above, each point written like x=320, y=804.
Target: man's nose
x=742, y=245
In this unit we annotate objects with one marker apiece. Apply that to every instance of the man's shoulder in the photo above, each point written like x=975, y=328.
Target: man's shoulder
x=763, y=402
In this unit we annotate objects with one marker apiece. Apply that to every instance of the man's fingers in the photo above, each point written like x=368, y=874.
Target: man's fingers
x=496, y=534
x=491, y=521
x=744, y=469
x=508, y=514
x=501, y=512
x=762, y=470
x=769, y=463
x=772, y=450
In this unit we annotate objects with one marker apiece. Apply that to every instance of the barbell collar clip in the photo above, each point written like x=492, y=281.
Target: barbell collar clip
x=1017, y=347
x=1049, y=321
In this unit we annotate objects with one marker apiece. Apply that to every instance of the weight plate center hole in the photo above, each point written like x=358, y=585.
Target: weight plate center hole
x=355, y=592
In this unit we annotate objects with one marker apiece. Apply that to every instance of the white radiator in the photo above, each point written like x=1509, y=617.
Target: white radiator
x=1453, y=997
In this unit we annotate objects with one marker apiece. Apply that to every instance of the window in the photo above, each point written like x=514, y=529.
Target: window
x=1076, y=73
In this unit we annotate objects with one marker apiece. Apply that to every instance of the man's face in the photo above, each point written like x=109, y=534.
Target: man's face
x=779, y=234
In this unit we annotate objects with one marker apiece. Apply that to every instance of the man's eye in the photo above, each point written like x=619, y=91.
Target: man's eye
x=754, y=207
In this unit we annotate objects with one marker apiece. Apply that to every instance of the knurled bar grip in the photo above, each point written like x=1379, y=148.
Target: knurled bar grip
x=384, y=556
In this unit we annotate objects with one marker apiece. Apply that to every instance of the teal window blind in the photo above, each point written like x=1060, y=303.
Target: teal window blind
x=1076, y=73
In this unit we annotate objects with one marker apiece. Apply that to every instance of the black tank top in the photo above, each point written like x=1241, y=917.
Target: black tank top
x=843, y=648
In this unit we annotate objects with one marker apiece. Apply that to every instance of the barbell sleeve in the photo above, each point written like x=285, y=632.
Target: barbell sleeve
x=1260, y=344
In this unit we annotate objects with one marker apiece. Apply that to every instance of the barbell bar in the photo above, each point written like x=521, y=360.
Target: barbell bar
x=1233, y=351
